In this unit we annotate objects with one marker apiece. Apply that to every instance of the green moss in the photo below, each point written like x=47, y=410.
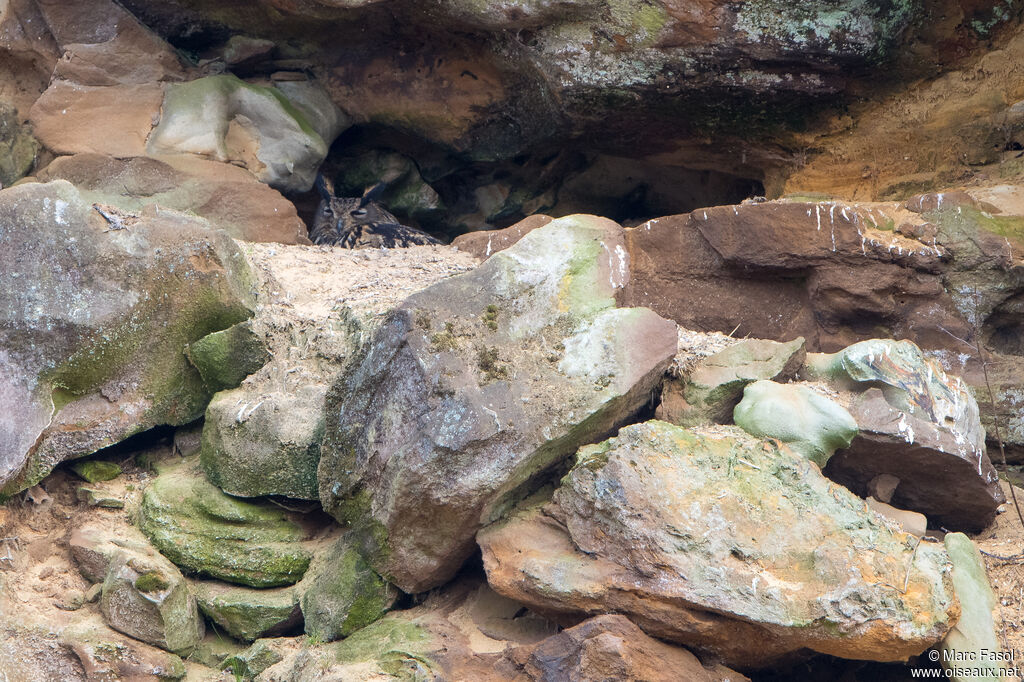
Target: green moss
x=387, y=638
x=488, y=362
x=154, y=581
x=246, y=613
x=204, y=531
x=490, y=317
x=345, y=594
x=446, y=340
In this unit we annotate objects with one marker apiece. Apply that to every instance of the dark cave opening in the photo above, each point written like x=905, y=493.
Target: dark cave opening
x=448, y=194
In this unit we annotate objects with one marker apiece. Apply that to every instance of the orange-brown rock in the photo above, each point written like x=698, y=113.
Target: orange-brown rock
x=486, y=242
x=229, y=197
x=734, y=546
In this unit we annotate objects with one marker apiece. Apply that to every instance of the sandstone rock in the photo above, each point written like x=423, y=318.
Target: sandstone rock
x=117, y=119
x=17, y=146
x=230, y=198
x=808, y=422
x=95, y=322
x=910, y=522
x=613, y=648
x=974, y=637
x=226, y=357
x=918, y=425
x=215, y=649
x=509, y=368
x=248, y=614
x=105, y=655
x=342, y=594
x=722, y=542
x=713, y=388
x=316, y=308
x=96, y=497
x=145, y=597
x=204, y=531
x=484, y=243
x=825, y=270
x=226, y=119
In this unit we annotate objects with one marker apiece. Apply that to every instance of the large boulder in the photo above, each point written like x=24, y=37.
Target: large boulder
x=317, y=308
x=94, y=321
x=206, y=532
x=973, y=643
x=736, y=546
x=508, y=369
x=917, y=424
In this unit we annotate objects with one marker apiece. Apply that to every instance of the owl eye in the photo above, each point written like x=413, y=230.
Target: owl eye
x=358, y=213
x=327, y=210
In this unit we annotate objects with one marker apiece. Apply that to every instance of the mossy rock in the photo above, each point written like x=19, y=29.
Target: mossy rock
x=207, y=532
x=342, y=593
x=251, y=662
x=246, y=613
x=227, y=357
x=96, y=470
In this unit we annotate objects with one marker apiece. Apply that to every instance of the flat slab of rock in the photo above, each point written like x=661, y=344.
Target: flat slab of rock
x=246, y=613
x=478, y=384
x=726, y=543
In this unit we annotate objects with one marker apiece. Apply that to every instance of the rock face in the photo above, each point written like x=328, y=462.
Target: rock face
x=918, y=425
x=729, y=544
x=509, y=368
x=204, y=531
x=808, y=422
x=94, y=323
x=146, y=597
x=103, y=656
x=936, y=269
x=710, y=391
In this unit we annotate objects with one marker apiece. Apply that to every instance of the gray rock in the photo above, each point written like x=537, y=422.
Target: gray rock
x=93, y=323
x=974, y=638
x=808, y=422
x=481, y=383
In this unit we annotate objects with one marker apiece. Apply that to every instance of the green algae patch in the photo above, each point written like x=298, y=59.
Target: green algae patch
x=389, y=638
x=96, y=470
x=204, y=531
x=342, y=593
